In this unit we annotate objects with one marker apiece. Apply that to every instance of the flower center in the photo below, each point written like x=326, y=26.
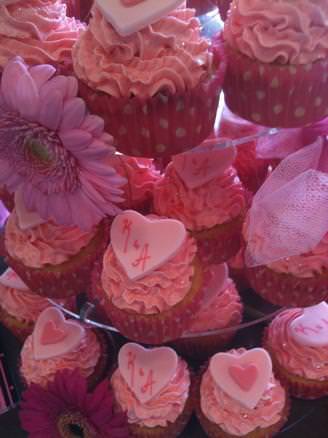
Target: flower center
x=35, y=149
x=74, y=425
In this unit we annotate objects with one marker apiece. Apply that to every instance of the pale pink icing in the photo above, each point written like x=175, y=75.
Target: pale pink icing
x=155, y=292
x=307, y=265
x=85, y=358
x=37, y=30
x=141, y=176
x=283, y=31
x=164, y=408
x=234, y=418
x=44, y=244
x=300, y=360
x=223, y=310
x=167, y=55
x=214, y=203
x=23, y=305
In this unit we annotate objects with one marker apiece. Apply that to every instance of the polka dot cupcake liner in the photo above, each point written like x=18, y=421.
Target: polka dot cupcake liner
x=287, y=290
x=165, y=124
x=67, y=279
x=284, y=96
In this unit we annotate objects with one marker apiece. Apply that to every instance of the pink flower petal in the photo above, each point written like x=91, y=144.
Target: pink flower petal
x=72, y=87
x=57, y=83
x=59, y=209
x=51, y=108
x=96, y=151
x=93, y=124
x=73, y=114
x=99, y=168
x=84, y=212
x=27, y=97
x=42, y=73
x=10, y=76
x=75, y=139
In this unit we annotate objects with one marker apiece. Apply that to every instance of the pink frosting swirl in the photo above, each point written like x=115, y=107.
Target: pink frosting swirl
x=169, y=54
x=85, y=358
x=44, y=244
x=37, y=30
x=300, y=360
x=283, y=32
x=162, y=409
x=141, y=176
x=221, y=311
x=23, y=305
x=234, y=418
x=155, y=292
x=214, y=203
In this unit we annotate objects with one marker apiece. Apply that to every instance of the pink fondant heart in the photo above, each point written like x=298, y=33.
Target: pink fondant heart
x=244, y=375
x=130, y=16
x=54, y=336
x=204, y=163
x=146, y=372
x=10, y=279
x=143, y=244
x=26, y=218
x=230, y=369
x=311, y=327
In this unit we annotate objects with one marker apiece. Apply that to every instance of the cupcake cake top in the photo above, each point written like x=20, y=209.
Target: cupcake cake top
x=242, y=381
x=150, y=385
x=37, y=30
x=279, y=31
x=298, y=338
x=201, y=188
x=167, y=55
x=57, y=344
x=149, y=265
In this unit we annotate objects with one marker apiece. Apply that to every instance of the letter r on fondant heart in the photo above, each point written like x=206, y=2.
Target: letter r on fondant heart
x=142, y=244
x=146, y=372
x=244, y=377
x=314, y=323
x=54, y=336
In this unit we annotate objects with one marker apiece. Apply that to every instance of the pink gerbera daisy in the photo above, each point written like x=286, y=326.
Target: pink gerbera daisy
x=53, y=149
x=66, y=409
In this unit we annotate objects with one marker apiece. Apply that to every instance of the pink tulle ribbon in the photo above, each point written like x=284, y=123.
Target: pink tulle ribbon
x=289, y=214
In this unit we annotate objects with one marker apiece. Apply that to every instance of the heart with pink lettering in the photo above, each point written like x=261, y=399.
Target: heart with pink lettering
x=10, y=279
x=147, y=371
x=54, y=336
x=204, y=163
x=244, y=377
x=311, y=327
x=26, y=219
x=142, y=244
x=130, y=16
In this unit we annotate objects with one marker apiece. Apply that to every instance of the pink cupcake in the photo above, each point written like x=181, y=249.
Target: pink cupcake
x=201, y=189
x=58, y=344
x=150, y=76
x=19, y=307
x=277, y=56
x=39, y=31
x=238, y=395
x=237, y=270
x=151, y=278
x=153, y=388
x=286, y=232
x=215, y=323
x=297, y=340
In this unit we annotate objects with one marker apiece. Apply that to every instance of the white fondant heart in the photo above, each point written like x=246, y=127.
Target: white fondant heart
x=146, y=372
x=131, y=16
x=243, y=377
x=142, y=244
x=311, y=327
x=26, y=219
x=204, y=163
x=10, y=279
x=54, y=336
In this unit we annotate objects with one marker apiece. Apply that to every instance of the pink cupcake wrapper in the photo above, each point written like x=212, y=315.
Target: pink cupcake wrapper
x=287, y=290
x=67, y=279
x=165, y=124
x=276, y=95
x=149, y=329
